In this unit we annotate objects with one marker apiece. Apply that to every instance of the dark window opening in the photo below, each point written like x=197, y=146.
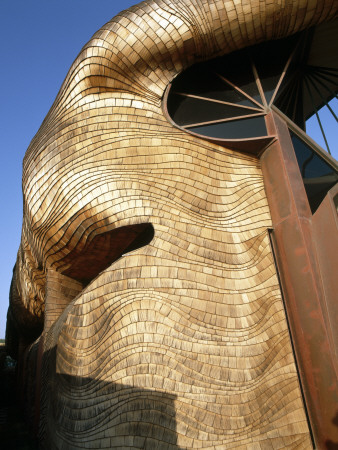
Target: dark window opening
x=189, y=110
x=296, y=74
x=103, y=250
x=318, y=176
x=236, y=129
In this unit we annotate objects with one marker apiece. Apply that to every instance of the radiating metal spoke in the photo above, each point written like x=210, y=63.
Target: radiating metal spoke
x=239, y=90
x=319, y=81
x=331, y=71
x=198, y=97
x=258, y=83
x=228, y=119
x=324, y=100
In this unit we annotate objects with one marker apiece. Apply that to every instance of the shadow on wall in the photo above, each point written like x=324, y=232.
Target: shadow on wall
x=14, y=431
x=80, y=412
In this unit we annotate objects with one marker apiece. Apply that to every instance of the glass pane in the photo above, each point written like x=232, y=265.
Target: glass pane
x=186, y=110
x=237, y=68
x=329, y=125
x=290, y=98
x=270, y=60
x=269, y=83
x=228, y=94
x=318, y=176
x=235, y=129
x=202, y=81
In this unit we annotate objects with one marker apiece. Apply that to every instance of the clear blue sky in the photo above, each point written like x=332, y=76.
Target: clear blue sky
x=39, y=41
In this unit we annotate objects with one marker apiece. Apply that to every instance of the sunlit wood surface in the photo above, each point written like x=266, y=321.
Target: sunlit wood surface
x=183, y=342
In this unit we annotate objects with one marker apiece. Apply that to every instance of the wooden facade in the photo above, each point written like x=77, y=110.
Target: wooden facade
x=146, y=309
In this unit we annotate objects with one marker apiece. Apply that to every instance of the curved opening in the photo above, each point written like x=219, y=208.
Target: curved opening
x=225, y=99
x=103, y=250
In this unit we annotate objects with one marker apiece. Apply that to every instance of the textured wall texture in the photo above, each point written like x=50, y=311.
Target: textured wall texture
x=182, y=343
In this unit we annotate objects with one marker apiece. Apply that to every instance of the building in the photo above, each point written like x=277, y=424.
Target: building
x=171, y=201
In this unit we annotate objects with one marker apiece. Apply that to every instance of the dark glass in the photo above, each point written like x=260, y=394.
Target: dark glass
x=234, y=129
x=186, y=110
x=270, y=59
x=269, y=83
x=290, y=98
x=197, y=80
x=318, y=176
x=319, y=90
x=201, y=80
x=231, y=95
x=237, y=68
x=304, y=88
x=292, y=92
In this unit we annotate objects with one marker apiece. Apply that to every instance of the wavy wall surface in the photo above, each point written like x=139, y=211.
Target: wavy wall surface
x=178, y=339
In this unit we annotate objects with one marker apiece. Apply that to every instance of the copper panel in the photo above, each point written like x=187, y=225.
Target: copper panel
x=325, y=230
x=301, y=280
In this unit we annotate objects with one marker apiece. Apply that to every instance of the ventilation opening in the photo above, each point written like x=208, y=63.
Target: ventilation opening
x=103, y=250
